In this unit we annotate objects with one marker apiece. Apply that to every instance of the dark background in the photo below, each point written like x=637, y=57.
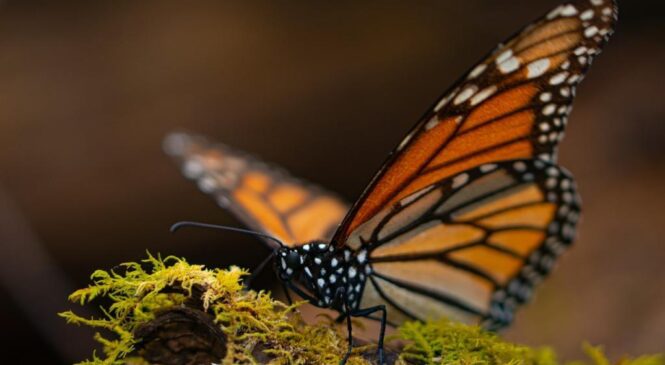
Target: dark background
x=89, y=89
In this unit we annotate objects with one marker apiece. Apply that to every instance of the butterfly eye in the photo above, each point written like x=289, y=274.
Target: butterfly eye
x=293, y=259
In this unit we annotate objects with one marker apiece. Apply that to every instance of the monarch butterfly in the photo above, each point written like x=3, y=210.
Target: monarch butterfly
x=467, y=214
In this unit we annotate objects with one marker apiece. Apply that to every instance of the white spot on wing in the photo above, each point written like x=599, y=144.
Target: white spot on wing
x=504, y=56
x=574, y=79
x=192, y=169
x=488, y=167
x=580, y=51
x=552, y=171
x=207, y=184
x=591, y=31
x=545, y=97
x=537, y=68
x=483, y=94
x=433, y=122
x=587, y=15
x=460, y=180
x=477, y=71
x=565, y=184
x=549, y=109
x=558, y=78
x=569, y=10
x=444, y=101
x=555, y=12
x=465, y=94
x=509, y=65
x=565, y=92
x=404, y=142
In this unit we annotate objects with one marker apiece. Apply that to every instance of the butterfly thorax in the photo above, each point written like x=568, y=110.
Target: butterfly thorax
x=330, y=276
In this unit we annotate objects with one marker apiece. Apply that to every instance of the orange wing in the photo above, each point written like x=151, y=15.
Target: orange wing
x=264, y=197
x=471, y=248
x=512, y=105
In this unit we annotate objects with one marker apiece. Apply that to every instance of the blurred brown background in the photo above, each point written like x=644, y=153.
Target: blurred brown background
x=89, y=89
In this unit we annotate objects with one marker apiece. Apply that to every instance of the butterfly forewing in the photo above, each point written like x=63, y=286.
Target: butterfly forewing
x=264, y=197
x=512, y=105
x=472, y=247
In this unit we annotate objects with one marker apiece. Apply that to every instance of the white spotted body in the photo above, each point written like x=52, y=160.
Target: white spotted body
x=330, y=276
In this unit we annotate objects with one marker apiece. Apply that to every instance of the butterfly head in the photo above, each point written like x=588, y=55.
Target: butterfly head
x=291, y=261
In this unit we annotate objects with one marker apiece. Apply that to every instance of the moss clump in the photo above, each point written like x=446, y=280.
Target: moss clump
x=256, y=326
x=446, y=342
x=597, y=357
x=247, y=318
x=450, y=343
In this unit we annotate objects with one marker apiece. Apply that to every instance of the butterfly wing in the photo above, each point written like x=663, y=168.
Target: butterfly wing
x=264, y=197
x=470, y=210
x=512, y=105
x=472, y=247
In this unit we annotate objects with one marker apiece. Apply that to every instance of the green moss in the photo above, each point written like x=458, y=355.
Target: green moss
x=140, y=291
x=246, y=317
x=446, y=342
x=597, y=357
x=450, y=343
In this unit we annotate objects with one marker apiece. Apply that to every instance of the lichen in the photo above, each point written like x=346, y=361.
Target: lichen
x=139, y=292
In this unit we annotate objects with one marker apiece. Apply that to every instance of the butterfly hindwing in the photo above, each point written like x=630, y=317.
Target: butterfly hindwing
x=512, y=105
x=264, y=197
x=473, y=246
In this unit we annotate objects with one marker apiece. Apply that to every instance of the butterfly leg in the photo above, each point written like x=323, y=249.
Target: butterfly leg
x=349, y=327
x=287, y=293
x=365, y=313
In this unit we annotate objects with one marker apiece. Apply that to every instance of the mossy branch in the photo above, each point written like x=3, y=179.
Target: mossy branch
x=168, y=311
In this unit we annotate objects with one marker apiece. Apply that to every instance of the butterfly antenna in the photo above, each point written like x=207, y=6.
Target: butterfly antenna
x=179, y=225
